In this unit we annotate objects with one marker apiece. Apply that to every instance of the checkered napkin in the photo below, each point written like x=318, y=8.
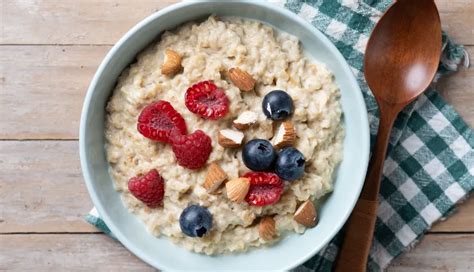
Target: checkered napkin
x=430, y=163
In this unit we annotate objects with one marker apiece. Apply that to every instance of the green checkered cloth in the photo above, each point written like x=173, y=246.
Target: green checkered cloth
x=430, y=162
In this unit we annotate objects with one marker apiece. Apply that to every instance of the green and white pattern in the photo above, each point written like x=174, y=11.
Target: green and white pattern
x=430, y=163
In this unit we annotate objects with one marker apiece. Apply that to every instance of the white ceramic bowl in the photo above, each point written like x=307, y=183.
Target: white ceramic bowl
x=160, y=252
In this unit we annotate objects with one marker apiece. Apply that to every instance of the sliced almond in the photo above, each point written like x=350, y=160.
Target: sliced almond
x=214, y=178
x=243, y=80
x=285, y=136
x=245, y=120
x=172, y=63
x=266, y=228
x=306, y=214
x=237, y=189
x=230, y=138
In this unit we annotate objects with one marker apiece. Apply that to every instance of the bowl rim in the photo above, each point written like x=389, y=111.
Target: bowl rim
x=110, y=55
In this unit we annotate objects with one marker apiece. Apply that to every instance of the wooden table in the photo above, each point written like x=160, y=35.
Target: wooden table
x=49, y=51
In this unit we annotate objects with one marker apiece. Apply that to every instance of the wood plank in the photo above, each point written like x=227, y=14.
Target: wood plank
x=91, y=252
x=41, y=188
x=457, y=20
x=458, y=89
x=98, y=252
x=42, y=89
x=438, y=253
x=73, y=22
x=104, y=22
x=46, y=175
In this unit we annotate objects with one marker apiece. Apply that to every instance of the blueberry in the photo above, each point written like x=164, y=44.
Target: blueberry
x=277, y=105
x=259, y=155
x=290, y=164
x=195, y=221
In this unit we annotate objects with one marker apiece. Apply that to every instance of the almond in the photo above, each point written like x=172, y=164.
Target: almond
x=266, y=228
x=306, y=214
x=172, y=63
x=245, y=120
x=237, y=189
x=214, y=178
x=230, y=138
x=243, y=80
x=285, y=136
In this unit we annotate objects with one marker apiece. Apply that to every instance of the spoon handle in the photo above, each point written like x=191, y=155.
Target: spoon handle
x=360, y=227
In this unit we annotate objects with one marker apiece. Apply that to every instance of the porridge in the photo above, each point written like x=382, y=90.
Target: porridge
x=222, y=134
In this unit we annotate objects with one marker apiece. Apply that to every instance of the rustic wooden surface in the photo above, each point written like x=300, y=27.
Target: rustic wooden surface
x=49, y=51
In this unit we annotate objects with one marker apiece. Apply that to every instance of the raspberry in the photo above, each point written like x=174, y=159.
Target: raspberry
x=148, y=188
x=193, y=150
x=265, y=188
x=207, y=100
x=158, y=119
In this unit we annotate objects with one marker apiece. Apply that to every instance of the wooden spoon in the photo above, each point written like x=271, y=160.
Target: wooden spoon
x=401, y=59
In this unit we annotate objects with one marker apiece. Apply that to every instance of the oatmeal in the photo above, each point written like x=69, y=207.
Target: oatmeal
x=207, y=51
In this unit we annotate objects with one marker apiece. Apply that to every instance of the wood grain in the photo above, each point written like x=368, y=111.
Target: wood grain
x=73, y=22
x=42, y=89
x=66, y=252
x=438, y=253
x=104, y=22
x=97, y=252
x=49, y=193
x=457, y=20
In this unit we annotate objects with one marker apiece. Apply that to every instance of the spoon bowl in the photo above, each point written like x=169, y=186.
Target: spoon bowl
x=403, y=52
